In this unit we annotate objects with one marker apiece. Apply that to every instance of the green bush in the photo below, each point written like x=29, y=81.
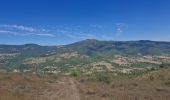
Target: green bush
x=167, y=83
x=103, y=77
x=75, y=73
x=164, y=65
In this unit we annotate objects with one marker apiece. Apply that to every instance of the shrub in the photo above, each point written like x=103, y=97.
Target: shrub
x=103, y=77
x=151, y=78
x=167, y=83
x=74, y=73
x=55, y=76
x=164, y=65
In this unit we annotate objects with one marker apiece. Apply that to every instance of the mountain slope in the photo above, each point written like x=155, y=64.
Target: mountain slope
x=27, y=49
x=144, y=47
x=92, y=46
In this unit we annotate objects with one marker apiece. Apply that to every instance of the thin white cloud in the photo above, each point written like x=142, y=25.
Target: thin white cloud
x=62, y=31
x=73, y=33
x=23, y=30
x=120, y=28
x=96, y=26
x=45, y=34
x=4, y=31
x=87, y=36
x=19, y=27
x=7, y=32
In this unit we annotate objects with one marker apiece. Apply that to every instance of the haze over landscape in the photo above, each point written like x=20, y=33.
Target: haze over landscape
x=84, y=50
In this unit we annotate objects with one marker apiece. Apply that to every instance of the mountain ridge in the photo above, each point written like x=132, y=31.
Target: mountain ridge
x=84, y=41
x=92, y=46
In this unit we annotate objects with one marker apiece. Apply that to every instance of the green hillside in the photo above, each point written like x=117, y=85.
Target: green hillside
x=82, y=53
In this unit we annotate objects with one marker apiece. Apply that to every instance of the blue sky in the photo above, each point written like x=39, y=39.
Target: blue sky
x=54, y=22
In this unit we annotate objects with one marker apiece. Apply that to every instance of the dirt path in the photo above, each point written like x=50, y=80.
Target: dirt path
x=76, y=95
x=62, y=89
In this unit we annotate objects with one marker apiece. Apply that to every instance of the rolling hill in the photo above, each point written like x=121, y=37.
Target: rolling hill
x=92, y=46
x=78, y=54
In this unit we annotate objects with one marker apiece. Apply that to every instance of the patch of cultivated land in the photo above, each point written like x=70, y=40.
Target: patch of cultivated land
x=151, y=86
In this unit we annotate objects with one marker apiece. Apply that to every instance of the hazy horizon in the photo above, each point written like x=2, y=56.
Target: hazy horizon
x=79, y=41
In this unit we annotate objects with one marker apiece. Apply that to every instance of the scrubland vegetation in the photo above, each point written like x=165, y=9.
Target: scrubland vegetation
x=149, y=85
x=86, y=70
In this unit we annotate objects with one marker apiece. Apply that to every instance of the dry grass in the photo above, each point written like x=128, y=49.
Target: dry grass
x=16, y=86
